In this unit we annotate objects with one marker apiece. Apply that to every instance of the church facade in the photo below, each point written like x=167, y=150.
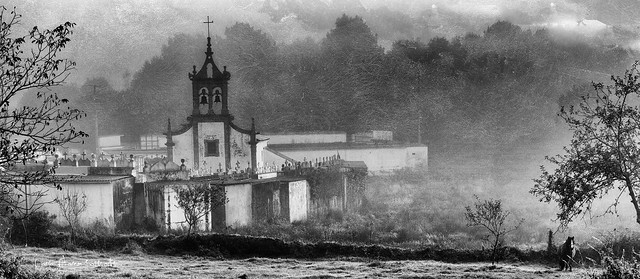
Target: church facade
x=210, y=142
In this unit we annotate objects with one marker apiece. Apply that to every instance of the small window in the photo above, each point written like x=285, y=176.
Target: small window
x=149, y=142
x=211, y=148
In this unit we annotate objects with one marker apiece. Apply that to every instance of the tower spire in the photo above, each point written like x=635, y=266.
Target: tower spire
x=208, y=22
x=209, y=52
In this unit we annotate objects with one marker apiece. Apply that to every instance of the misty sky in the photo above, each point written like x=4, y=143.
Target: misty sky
x=113, y=38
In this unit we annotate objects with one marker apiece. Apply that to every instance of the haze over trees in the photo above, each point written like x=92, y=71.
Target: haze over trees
x=495, y=88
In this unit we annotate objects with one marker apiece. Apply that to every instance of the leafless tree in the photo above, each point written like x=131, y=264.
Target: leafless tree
x=489, y=214
x=29, y=64
x=72, y=204
x=197, y=200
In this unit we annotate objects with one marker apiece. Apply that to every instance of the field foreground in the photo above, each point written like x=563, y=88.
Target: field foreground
x=90, y=264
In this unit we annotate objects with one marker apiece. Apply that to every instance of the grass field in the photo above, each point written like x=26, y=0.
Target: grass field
x=91, y=264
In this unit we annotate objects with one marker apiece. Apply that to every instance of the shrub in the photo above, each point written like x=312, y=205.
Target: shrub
x=72, y=204
x=197, y=201
x=99, y=228
x=132, y=248
x=407, y=234
x=178, y=230
x=618, y=267
x=13, y=268
x=362, y=234
x=69, y=246
x=308, y=230
x=616, y=252
x=621, y=268
x=5, y=229
x=34, y=230
x=616, y=243
x=150, y=225
x=489, y=215
x=334, y=216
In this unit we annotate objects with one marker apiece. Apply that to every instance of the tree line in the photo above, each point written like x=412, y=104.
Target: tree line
x=495, y=88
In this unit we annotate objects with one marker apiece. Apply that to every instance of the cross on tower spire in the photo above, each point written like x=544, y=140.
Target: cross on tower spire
x=208, y=22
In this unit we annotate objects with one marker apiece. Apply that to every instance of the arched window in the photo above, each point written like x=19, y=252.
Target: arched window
x=217, y=95
x=203, y=96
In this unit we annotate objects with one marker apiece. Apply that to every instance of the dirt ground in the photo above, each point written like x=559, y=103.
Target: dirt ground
x=90, y=264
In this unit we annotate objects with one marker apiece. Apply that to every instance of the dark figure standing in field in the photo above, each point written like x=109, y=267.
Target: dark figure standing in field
x=566, y=252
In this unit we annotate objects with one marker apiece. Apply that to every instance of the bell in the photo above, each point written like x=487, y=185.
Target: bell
x=216, y=98
x=203, y=100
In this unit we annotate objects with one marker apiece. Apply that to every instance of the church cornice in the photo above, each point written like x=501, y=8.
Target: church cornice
x=235, y=127
x=182, y=130
x=204, y=118
x=210, y=118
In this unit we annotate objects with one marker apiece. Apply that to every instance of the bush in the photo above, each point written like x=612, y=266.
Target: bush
x=34, y=230
x=132, y=248
x=5, y=229
x=619, y=268
x=489, y=215
x=150, y=225
x=99, y=228
x=616, y=252
x=69, y=246
x=616, y=244
x=13, y=268
x=334, y=216
x=407, y=234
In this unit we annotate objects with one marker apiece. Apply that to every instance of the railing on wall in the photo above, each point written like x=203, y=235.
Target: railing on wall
x=145, y=164
x=84, y=160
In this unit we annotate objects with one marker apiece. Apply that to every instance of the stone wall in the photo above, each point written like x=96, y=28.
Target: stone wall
x=238, y=210
x=379, y=159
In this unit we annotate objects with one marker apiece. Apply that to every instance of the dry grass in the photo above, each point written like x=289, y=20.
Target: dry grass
x=89, y=264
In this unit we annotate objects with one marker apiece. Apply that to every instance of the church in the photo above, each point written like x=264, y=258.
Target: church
x=211, y=149
x=210, y=142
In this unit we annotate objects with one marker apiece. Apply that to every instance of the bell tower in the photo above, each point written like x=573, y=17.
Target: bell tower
x=209, y=85
x=211, y=142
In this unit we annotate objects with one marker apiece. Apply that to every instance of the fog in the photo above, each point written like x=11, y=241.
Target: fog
x=486, y=135
x=117, y=37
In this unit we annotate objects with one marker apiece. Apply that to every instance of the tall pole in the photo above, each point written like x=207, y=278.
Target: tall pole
x=420, y=129
x=26, y=201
